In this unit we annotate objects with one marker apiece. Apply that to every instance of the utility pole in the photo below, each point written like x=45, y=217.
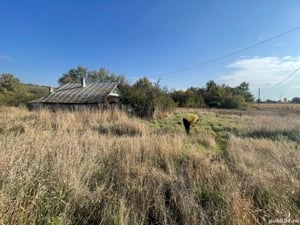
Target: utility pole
x=258, y=100
x=280, y=97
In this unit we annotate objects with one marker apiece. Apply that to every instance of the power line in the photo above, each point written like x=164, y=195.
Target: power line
x=227, y=55
x=280, y=82
x=290, y=80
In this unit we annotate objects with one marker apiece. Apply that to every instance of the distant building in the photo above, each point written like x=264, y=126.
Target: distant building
x=79, y=95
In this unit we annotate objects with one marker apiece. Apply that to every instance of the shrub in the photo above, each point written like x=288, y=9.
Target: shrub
x=145, y=98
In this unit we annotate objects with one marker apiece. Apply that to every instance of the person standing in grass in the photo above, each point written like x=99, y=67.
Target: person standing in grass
x=189, y=120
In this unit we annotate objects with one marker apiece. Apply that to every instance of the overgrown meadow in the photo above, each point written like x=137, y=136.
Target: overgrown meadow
x=105, y=167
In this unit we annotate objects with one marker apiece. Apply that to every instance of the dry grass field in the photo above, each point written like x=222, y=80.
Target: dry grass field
x=91, y=167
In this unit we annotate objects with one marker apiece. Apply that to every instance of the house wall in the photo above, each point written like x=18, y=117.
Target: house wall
x=71, y=107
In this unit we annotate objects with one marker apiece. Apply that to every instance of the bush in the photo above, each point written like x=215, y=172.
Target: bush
x=296, y=100
x=189, y=98
x=145, y=98
x=233, y=102
x=222, y=96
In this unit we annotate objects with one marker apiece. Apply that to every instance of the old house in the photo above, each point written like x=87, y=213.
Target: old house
x=79, y=95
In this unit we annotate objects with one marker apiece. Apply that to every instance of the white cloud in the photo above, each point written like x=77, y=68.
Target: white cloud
x=263, y=72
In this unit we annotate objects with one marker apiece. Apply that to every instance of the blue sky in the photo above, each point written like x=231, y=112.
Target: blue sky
x=42, y=39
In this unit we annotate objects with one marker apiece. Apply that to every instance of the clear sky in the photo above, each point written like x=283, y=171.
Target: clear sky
x=168, y=40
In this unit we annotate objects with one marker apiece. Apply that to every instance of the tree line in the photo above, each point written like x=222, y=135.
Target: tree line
x=14, y=93
x=143, y=97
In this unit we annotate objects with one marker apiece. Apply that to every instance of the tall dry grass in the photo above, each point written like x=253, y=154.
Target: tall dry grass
x=90, y=167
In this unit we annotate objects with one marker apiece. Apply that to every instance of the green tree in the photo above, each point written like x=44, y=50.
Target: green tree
x=144, y=98
x=73, y=75
x=213, y=94
x=211, y=86
x=243, y=90
x=223, y=96
x=12, y=91
x=296, y=100
x=102, y=75
x=9, y=83
x=190, y=98
x=179, y=97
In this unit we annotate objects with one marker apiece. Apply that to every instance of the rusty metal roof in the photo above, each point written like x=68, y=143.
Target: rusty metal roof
x=75, y=93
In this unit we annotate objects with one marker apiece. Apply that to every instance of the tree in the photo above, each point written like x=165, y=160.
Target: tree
x=8, y=83
x=179, y=97
x=243, y=90
x=212, y=95
x=13, y=92
x=296, y=100
x=144, y=98
x=211, y=86
x=73, y=75
x=190, y=98
x=223, y=96
x=102, y=75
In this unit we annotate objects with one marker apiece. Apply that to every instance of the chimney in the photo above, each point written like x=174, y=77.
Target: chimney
x=51, y=90
x=83, y=83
